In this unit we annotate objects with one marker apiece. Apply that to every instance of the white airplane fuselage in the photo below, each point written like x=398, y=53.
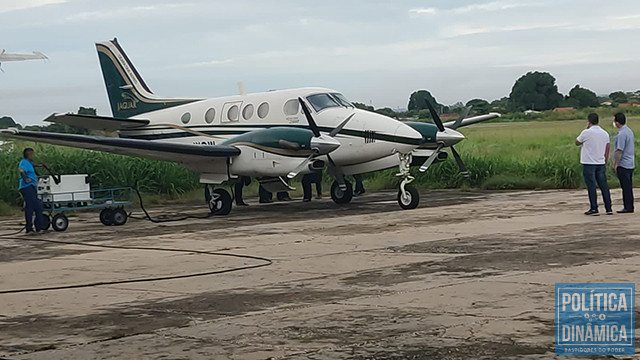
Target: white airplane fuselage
x=367, y=139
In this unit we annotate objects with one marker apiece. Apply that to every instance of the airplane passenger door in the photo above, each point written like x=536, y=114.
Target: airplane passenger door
x=231, y=112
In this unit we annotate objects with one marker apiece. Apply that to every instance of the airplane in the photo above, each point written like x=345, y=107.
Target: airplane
x=4, y=57
x=273, y=136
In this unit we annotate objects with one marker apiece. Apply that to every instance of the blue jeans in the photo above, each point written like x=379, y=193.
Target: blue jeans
x=596, y=175
x=31, y=204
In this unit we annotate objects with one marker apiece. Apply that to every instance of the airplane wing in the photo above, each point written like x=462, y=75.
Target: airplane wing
x=94, y=122
x=200, y=158
x=4, y=57
x=473, y=120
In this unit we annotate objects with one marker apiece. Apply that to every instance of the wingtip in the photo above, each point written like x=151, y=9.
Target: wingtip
x=9, y=131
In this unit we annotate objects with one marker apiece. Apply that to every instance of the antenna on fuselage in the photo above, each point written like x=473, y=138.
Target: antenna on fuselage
x=241, y=89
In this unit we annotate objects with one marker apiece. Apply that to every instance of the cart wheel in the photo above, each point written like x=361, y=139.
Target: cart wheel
x=46, y=222
x=60, y=222
x=119, y=217
x=106, y=217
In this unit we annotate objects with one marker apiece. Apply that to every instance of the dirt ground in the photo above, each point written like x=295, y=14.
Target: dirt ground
x=467, y=275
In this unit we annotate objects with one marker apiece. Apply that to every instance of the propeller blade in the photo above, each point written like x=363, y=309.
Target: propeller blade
x=335, y=131
x=435, y=117
x=307, y=114
x=431, y=159
x=300, y=167
x=463, y=116
x=463, y=169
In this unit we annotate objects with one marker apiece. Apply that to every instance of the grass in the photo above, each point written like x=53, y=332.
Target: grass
x=503, y=155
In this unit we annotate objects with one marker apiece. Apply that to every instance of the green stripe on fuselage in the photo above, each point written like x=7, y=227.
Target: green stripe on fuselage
x=234, y=130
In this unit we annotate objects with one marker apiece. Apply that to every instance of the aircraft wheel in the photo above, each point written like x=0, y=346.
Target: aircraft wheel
x=46, y=222
x=220, y=202
x=410, y=199
x=60, y=222
x=341, y=197
x=106, y=217
x=119, y=217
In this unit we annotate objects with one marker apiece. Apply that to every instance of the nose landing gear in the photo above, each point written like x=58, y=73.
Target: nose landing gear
x=408, y=196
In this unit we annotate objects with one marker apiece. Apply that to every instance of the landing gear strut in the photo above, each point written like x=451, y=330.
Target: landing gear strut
x=219, y=200
x=408, y=196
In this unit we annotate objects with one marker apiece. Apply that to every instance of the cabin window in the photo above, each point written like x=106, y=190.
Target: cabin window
x=292, y=107
x=186, y=117
x=263, y=110
x=210, y=115
x=232, y=113
x=247, y=112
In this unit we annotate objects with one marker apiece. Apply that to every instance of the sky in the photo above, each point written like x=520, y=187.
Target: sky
x=375, y=52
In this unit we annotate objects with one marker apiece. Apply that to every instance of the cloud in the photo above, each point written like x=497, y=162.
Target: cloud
x=12, y=5
x=484, y=7
x=492, y=6
x=463, y=30
x=429, y=11
x=122, y=12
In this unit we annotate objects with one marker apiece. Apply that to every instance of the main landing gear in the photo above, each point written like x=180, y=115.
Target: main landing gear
x=408, y=196
x=341, y=195
x=219, y=200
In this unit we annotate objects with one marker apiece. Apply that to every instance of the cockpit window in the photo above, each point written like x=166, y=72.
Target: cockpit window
x=322, y=101
x=342, y=100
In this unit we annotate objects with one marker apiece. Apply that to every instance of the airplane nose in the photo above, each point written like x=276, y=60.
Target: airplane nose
x=449, y=137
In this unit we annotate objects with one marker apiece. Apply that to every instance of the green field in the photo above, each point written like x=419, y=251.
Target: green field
x=504, y=155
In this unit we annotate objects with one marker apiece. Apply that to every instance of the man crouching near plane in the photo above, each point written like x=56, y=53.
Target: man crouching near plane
x=28, y=189
x=593, y=157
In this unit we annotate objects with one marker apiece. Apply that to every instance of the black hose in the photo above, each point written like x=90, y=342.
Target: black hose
x=265, y=262
x=157, y=221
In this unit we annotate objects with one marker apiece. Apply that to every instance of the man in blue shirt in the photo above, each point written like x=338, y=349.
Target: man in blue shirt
x=28, y=189
x=624, y=161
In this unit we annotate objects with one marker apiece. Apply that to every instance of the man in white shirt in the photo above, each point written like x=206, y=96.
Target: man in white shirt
x=593, y=157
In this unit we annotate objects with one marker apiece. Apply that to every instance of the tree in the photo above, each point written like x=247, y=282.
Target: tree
x=363, y=106
x=581, y=98
x=7, y=122
x=501, y=105
x=86, y=111
x=535, y=91
x=619, y=97
x=479, y=106
x=386, y=112
x=418, y=100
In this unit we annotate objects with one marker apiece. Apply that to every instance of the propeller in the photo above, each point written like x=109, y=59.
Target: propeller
x=435, y=117
x=463, y=116
x=441, y=129
x=431, y=158
x=321, y=145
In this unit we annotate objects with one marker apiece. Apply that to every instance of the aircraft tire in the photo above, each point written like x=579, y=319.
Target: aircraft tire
x=411, y=200
x=220, y=202
x=341, y=197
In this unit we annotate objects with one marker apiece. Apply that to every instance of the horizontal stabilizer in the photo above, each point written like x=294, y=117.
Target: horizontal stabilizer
x=94, y=122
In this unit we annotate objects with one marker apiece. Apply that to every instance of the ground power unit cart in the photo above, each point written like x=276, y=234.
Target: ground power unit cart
x=70, y=193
